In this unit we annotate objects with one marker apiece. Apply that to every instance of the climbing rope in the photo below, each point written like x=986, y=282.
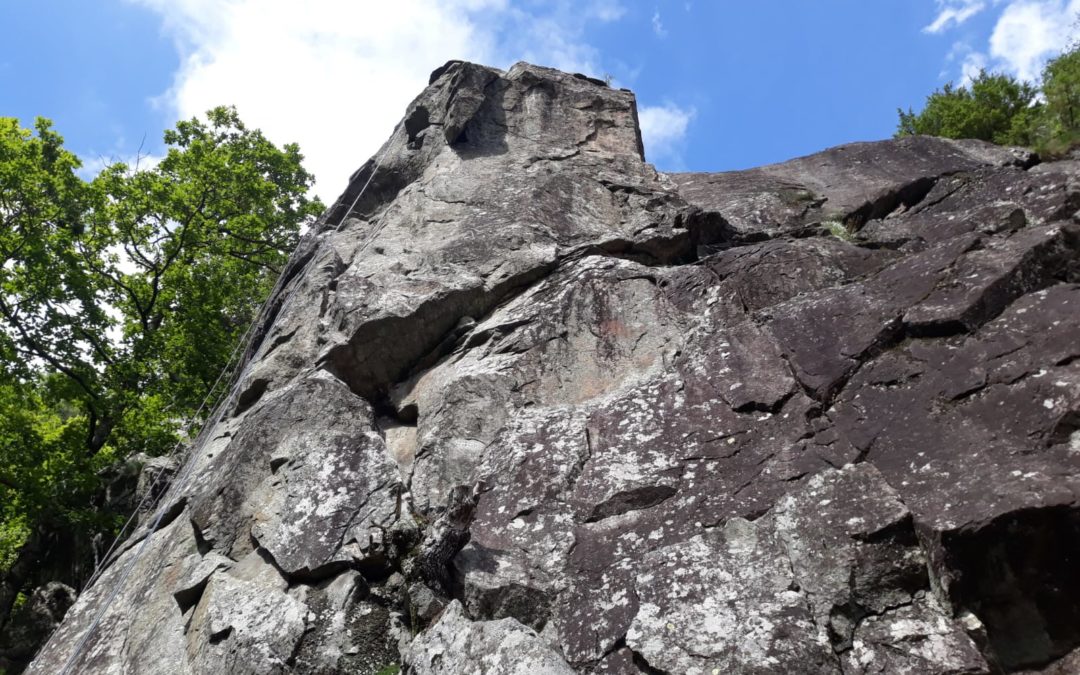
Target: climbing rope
x=151, y=489
x=180, y=484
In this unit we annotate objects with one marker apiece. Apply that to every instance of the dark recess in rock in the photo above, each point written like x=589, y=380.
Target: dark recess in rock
x=1020, y=574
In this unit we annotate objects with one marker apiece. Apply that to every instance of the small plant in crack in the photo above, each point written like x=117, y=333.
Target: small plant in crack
x=839, y=230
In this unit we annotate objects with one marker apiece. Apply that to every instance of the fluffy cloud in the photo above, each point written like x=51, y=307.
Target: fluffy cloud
x=658, y=25
x=663, y=128
x=552, y=37
x=974, y=63
x=1025, y=34
x=1030, y=31
x=336, y=75
x=953, y=13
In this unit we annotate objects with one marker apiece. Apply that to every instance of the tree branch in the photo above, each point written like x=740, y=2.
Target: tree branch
x=41, y=352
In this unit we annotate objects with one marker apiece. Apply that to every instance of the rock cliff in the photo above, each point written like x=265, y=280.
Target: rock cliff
x=525, y=405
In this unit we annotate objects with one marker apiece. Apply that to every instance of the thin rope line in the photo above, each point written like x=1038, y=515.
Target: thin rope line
x=103, y=562
x=181, y=484
x=175, y=450
x=160, y=513
x=352, y=206
x=100, y=567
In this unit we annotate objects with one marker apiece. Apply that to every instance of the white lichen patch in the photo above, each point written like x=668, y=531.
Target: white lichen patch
x=728, y=604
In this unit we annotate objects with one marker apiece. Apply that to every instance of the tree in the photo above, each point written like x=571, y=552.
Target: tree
x=121, y=299
x=1004, y=110
x=996, y=107
x=1060, y=121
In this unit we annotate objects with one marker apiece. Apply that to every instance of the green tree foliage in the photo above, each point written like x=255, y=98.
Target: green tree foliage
x=985, y=110
x=1002, y=109
x=121, y=299
x=1059, y=126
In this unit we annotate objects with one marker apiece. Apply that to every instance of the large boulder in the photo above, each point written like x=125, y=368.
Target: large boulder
x=520, y=403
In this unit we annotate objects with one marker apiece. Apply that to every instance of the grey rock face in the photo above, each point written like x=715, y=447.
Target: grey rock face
x=849, y=184
x=454, y=644
x=527, y=405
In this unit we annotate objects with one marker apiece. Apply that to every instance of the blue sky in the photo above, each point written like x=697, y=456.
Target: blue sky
x=721, y=84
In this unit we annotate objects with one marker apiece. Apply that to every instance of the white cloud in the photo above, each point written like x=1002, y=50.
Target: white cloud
x=336, y=75
x=1028, y=32
x=555, y=37
x=960, y=50
x=1025, y=34
x=953, y=13
x=92, y=166
x=663, y=128
x=603, y=10
x=973, y=64
x=658, y=26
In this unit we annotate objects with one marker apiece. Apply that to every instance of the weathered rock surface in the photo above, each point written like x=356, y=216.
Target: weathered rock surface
x=454, y=644
x=525, y=405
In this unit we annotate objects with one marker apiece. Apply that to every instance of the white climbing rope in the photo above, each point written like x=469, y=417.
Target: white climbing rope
x=70, y=663
x=103, y=562
x=180, y=484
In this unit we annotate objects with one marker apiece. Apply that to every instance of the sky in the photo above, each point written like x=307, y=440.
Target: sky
x=721, y=84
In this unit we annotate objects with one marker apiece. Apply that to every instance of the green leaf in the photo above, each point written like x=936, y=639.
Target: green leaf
x=121, y=299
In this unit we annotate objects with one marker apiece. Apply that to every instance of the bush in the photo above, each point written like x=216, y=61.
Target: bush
x=1059, y=126
x=989, y=110
x=1004, y=110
